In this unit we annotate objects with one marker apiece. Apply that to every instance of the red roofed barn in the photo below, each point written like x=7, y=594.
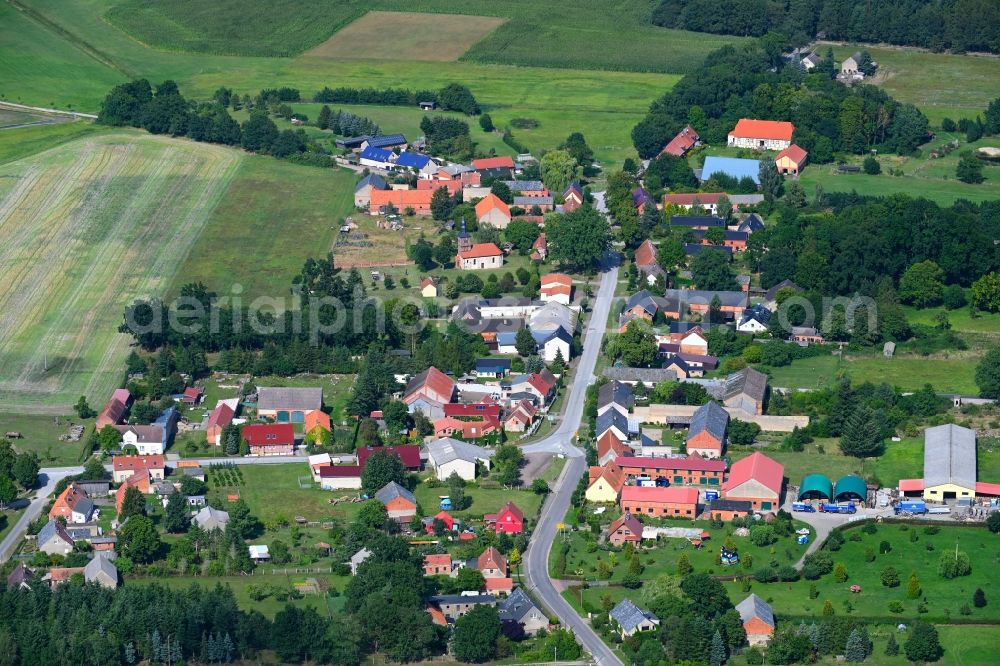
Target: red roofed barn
x=757, y=479
x=761, y=134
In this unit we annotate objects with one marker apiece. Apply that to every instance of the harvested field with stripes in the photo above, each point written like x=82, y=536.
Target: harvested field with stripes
x=87, y=227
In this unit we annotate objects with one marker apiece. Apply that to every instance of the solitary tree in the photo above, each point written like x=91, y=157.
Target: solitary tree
x=133, y=504
x=979, y=598
x=862, y=436
x=969, y=169
x=381, y=468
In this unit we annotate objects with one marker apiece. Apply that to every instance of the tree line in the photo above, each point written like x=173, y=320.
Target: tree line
x=754, y=81
x=956, y=25
x=452, y=97
x=287, y=344
x=166, y=111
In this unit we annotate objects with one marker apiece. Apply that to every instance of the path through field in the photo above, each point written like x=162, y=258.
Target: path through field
x=84, y=229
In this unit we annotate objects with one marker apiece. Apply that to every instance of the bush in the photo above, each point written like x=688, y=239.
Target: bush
x=993, y=522
x=762, y=535
x=895, y=606
x=871, y=166
x=890, y=577
x=954, y=564
x=884, y=547
x=766, y=575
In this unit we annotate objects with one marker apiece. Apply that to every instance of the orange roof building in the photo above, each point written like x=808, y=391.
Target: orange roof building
x=489, y=163
x=480, y=256
x=791, y=160
x=316, y=418
x=761, y=134
x=556, y=287
x=645, y=256
x=493, y=211
x=418, y=200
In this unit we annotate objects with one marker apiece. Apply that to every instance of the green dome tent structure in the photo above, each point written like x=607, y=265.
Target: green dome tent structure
x=850, y=487
x=816, y=486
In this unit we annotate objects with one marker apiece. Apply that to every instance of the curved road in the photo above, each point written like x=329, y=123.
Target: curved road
x=536, y=560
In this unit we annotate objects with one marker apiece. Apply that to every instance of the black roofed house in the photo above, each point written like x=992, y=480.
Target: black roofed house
x=694, y=249
x=284, y=404
x=399, y=502
x=454, y=606
x=771, y=295
x=754, y=320
x=518, y=607
x=758, y=619
x=20, y=577
x=745, y=390
x=617, y=423
x=707, y=434
x=631, y=619
x=363, y=190
x=615, y=395
x=648, y=376
x=54, y=539
x=384, y=141
x=751, y=224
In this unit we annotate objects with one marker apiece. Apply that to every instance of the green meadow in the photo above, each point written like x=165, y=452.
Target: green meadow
x=587, y=34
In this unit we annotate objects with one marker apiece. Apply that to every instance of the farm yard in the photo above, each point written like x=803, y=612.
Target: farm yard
x=436, y=37
x=88, y=227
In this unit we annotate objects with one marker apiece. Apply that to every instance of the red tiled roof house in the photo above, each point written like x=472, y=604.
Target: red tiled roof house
x=625, y=529
x=761, y=134
x=509, y=519
x=658, y=502
x=481, y=256
x=270, y=439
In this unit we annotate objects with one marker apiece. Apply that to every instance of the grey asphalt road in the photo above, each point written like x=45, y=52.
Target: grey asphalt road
x=561, y=442
x=49, y=477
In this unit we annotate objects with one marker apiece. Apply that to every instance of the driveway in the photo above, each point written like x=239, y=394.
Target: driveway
x=553, y=511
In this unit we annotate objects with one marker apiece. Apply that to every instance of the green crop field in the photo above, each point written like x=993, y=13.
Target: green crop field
x=88, y=226
x=604, y=105
x=589, y=34
x=36, y=65
x=285, y=213
x=23, y=141
x=436, y=37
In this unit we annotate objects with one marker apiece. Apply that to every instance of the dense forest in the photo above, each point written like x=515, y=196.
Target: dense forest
x=754, y=81
x=956, y=25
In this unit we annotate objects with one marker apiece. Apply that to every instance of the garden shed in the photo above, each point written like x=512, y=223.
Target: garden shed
x=850, y=487
x=816, y=486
